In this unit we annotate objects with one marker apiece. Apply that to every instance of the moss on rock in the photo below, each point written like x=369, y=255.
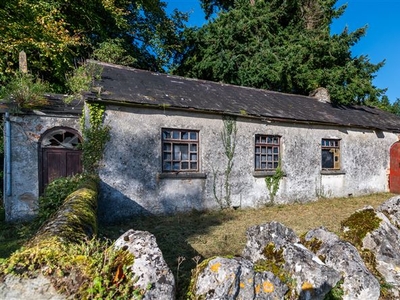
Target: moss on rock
x=358, y=225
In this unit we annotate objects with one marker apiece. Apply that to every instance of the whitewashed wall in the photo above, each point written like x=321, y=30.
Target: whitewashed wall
x=132, y=182
x=26, y=130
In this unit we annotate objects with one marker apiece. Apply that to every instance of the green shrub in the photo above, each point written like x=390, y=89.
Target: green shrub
x=55, y=194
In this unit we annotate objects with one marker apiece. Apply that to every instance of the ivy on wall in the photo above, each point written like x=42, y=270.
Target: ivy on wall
x=272, y=182
x=95, y=136
x=228, y=138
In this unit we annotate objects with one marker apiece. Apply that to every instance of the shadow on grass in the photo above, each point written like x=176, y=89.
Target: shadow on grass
x=12, y=236
x=172, y=234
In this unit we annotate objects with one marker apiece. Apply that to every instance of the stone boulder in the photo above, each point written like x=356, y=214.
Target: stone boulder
x=260, y=236
x=150, y=270
x=391, y=209
x=273, y=266
x=384, y=243
x=358, y=281
x=225, y=278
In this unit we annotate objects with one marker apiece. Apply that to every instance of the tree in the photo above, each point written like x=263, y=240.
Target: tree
x=284, y=46
x=57, y=34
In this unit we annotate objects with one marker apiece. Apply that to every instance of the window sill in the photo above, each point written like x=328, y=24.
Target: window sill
x=182, y=175
x=333, y=172
x=265, y=173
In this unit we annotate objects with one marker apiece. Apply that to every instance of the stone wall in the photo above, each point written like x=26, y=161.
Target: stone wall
x=133, y=182
x=26, y=129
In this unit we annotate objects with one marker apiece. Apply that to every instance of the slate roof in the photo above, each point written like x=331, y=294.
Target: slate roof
x=128, y=86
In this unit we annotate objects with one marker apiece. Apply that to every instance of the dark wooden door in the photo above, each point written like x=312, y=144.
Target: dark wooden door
x=60, y=163
x=394, y=177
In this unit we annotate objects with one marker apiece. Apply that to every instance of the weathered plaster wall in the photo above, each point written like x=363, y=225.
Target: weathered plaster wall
x=26, y=131
x=132, y=182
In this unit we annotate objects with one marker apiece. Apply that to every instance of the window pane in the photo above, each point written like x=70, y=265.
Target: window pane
x=269, y=150
x=184, y=151
x=166, y=134
x=269, y=166
x=276, y=157
x=185, y=166
x=276, y=150
x=177, y=152
x=193, y=135
x=275, y=165
x=263, y=150
x=257, y=162
x=263, y=158
x=263, y=165
x=269, y=158
x=257, y=149
x=193, y=165
x=185, y=135
x=327, y=159
x=175, y=135
x=176, y=166
x=193, y=147
x=193, y=156
x=167, y=147
x=263, y=140
x=167, y=156
x=167, y=166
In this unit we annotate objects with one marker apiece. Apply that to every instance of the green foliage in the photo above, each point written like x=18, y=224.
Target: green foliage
x=228, y=138
x=272, y=182
x=284, y=46
x=91, y=269
x=95, y=135
x=82, y=79
x=336, y=293
x=54, y=195
x=113, y=51
x=25, y=91
x=356, y=227
x=55, y=34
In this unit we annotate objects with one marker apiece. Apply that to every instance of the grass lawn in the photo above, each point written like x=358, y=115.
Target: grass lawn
x=185, y=239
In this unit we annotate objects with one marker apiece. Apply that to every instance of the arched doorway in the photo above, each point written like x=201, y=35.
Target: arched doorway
x=394, y=177
x=59, y=155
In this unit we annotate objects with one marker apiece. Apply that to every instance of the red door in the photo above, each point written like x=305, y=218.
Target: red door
x=60, y=155
x=394, y=177
x=60, y=163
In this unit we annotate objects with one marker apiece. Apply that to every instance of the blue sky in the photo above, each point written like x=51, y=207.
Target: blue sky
x=381, y=42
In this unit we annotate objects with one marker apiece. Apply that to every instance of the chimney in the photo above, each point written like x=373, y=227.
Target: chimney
x=321, y=94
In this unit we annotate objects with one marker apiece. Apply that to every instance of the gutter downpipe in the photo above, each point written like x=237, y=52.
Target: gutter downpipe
x=7, y=156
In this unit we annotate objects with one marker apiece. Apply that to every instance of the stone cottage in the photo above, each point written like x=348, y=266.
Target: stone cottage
x=179, y=144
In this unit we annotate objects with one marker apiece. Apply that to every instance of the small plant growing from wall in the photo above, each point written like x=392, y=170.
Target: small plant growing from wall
x=25, y=91
x=81, y=80
x=228, y=138
x=95, y=137
x=272, y=182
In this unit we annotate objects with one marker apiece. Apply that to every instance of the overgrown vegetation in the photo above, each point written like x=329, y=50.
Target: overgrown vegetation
x=228, y=138
x=272, y=182
x=81, y=80
x=95, y=135
x=54, y=195
x=25, y=91
x=98, y=270
x=222, y=233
